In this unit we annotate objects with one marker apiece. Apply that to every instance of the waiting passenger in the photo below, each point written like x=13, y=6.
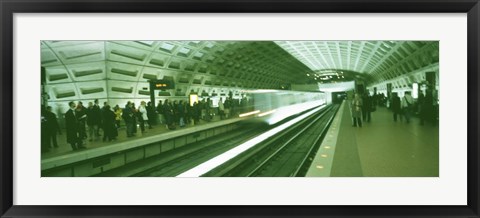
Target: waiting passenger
x=426, y=113
x=135, y=117
x=52, y=127
x=142, y=115
x=161, y=114
x=167, y=109
x=407, y=106
x=188, y=113
x=221, y=109
x=367, y=107
x=208, y=110
x=203, y=111
x=71, y=124
x=109, y=129
x=97, y=114
x=196, y=111
x=118, y=115
x=175, y=111
x=150, y=114
x=227, y=106
x=181, y=114
x=82, y=119
x=92, y=122
x=128, y=117
x=397, y=111
x=357, y=110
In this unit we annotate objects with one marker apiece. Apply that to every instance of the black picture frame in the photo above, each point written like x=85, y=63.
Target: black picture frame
x=9, y=7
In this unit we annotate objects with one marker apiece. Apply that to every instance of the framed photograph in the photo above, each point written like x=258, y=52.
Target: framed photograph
x=239, y=109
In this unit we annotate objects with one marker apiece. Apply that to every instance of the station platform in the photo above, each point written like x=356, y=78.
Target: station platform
x=63, y=160
x=380, y=148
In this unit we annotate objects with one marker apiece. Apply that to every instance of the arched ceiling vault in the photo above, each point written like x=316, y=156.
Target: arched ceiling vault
x=381, y=60
x=121, y=69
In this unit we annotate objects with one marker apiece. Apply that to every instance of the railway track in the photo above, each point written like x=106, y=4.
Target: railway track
x=287, y=155
x=186, y=161
x=181, y=159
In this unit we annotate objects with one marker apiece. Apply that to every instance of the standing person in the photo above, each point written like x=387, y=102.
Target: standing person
x=208, y=110
x=71, y=124
x=174, y=107
x=357, y=110
x=226, y=106
x=202, y=108
x=426, y=113
x=109, y=130
x=134, y=118
x=128, y=117
x=188, y=112
x=150, y=115
x=196, y=111
x=45, y=144
x=97, y=113
x=142, y=115
x=161, y=116
x=118, y=115
x=181, y=114
x=221, y=109
x=82, y=119
x=167, y=109
x=407, y=105
x=397, y=110
x=52, y=127
x=92, y=122
x=367, y=107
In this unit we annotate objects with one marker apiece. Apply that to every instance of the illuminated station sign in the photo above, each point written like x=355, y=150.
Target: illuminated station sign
x=163, y=84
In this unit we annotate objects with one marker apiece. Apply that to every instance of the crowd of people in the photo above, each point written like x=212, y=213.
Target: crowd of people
x=403, y=108
x=92, y=122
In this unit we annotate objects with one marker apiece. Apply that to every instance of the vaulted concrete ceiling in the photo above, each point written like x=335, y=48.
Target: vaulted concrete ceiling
x=120, y=69
x=380, y=60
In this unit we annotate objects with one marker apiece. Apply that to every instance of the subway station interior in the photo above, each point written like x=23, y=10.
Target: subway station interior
x=239, y=108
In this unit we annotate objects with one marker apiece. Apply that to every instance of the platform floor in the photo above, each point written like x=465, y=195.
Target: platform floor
x=65, y=148
x=383, y=148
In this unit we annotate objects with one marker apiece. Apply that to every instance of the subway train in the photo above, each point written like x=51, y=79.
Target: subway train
x=272, y=106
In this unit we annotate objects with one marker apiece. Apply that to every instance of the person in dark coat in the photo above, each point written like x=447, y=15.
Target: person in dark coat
x=134, y=118
x=367, y=107
x=167, y=109
x=45, y=145
x=396, y=107
x=92, y=122
x=188, y=113
x=426, y=113
x=109, y=128
x=128, y=117
x=161, y=116
x=82, y=120
x=150, y=114
x=97, y=117
x=52, y=127
x=71, y=124
x=196, y=111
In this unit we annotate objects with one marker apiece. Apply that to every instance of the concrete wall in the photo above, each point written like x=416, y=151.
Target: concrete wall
x=104, y=163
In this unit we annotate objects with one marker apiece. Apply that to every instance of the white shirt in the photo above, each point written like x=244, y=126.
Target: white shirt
x=143, y=110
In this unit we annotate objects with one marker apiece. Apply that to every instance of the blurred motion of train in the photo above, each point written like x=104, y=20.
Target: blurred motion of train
x=272, y=106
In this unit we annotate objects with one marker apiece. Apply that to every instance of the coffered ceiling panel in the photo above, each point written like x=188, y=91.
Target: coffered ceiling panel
x=121, y=69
